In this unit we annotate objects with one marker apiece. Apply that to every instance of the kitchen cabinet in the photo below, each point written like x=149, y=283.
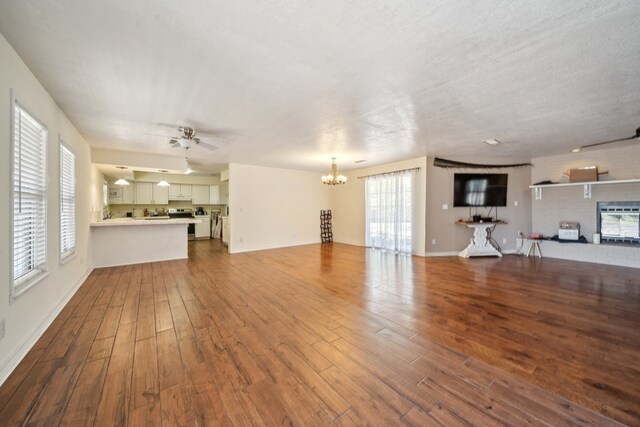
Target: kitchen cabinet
x=128, y=195
x=224, y=194
x=180, y=192
x=203, y=230
x=115, y=195
x=160, y=195
x=225, y=230
x=200, y=195
x=214, y=194
x=121, y=195
x=148, y=193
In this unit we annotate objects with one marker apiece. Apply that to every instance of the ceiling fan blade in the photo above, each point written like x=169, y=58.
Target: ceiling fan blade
x=597, y=144
x=205, y=145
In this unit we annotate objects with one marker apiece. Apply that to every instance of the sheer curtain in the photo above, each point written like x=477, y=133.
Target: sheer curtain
x=389, y=210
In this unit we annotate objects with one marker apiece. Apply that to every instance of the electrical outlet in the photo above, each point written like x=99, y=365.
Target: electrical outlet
x=504, y=241
x=242, y=240
x=520, y=235
x=515, y=203
x=433, y=241
x=445, y=207
x=1, y=329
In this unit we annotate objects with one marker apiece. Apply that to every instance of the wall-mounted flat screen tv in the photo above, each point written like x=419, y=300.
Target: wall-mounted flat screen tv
x=480, y=189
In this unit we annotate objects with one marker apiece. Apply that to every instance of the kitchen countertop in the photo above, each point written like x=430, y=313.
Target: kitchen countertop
x=144, y=221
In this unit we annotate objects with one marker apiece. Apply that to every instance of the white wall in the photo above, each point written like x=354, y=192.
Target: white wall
x=271, y=207
x=30, y=314
x=349, y=205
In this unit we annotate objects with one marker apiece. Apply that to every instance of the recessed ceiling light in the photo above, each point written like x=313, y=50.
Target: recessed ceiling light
x=122, y=167
x=492, y=142
x=575, y=150
x=360, y=161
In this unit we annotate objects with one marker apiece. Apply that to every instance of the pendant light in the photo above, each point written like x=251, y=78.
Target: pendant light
x=334, y=178
x=121, y=181
x=163, y=182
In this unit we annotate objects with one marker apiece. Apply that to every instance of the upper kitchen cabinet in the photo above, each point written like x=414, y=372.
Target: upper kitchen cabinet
x=214, y=194
x=224, y=194
x=128, y=195
x=148, y=193
x=200, y=195
x=144, y=193
x=121, y=195
x=180, y=192
x=161, y=195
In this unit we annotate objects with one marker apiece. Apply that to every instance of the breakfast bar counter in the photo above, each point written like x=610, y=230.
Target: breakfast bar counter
x=127, y=241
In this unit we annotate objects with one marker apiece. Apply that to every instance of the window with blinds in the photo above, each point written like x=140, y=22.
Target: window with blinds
x=67, y=202
x=29, y=171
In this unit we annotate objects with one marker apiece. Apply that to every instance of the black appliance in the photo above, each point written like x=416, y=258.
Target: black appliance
x=480, y=189
x=184, y=213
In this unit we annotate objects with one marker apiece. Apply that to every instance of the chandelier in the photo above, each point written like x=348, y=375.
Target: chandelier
x=334, y=178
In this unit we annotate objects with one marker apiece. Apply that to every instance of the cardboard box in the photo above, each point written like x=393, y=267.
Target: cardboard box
x=583, y=175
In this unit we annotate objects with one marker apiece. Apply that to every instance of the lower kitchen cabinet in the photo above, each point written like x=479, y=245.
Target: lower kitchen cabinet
x=203, y=230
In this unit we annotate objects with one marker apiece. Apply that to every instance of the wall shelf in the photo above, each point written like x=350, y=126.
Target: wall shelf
x=586, y=186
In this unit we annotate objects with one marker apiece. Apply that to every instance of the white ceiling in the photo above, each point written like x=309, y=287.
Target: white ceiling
x=293, y=83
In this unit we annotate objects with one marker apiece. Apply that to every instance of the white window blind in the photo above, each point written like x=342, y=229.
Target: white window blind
x=29, y=173
x=67, y=202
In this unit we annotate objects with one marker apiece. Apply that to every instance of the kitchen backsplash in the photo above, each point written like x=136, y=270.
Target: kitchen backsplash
x=120, y=211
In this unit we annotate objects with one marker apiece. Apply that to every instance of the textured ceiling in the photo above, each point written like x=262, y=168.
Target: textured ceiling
x=293, y=83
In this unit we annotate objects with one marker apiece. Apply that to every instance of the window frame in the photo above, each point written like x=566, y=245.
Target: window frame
x=18, y=289
x=70, y=254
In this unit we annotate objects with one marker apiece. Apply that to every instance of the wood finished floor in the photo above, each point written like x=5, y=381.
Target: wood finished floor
x=336, y=334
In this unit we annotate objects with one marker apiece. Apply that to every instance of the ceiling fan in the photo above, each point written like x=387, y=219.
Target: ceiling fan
x=598, y=144
x=188, y=139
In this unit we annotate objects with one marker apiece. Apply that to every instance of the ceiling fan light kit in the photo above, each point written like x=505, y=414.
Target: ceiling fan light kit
x=334, y=178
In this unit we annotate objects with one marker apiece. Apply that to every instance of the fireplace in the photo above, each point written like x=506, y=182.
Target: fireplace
x=619, y=222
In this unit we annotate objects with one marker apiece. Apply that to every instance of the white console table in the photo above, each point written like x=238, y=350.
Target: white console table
x=479, y=244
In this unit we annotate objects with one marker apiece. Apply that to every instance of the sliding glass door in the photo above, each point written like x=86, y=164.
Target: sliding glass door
x=389, y=210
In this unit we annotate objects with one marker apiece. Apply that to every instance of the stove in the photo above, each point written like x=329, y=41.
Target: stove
x=184, y=213
x=181, y=213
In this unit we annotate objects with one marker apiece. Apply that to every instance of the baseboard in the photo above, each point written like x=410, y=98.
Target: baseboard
x=347, y=242
x=12, y=362
x=265, y=248
x=430, y=254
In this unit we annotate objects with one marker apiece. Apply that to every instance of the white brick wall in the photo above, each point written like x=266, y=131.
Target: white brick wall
x=568, y=203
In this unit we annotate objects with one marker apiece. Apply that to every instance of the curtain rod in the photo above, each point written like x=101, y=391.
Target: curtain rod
x=390, y=172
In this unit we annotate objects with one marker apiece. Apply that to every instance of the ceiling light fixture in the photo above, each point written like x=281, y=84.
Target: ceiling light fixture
x=575, y=150
x=492, y=142
x=121, y=181
x=163, y=182
x=334, y=178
